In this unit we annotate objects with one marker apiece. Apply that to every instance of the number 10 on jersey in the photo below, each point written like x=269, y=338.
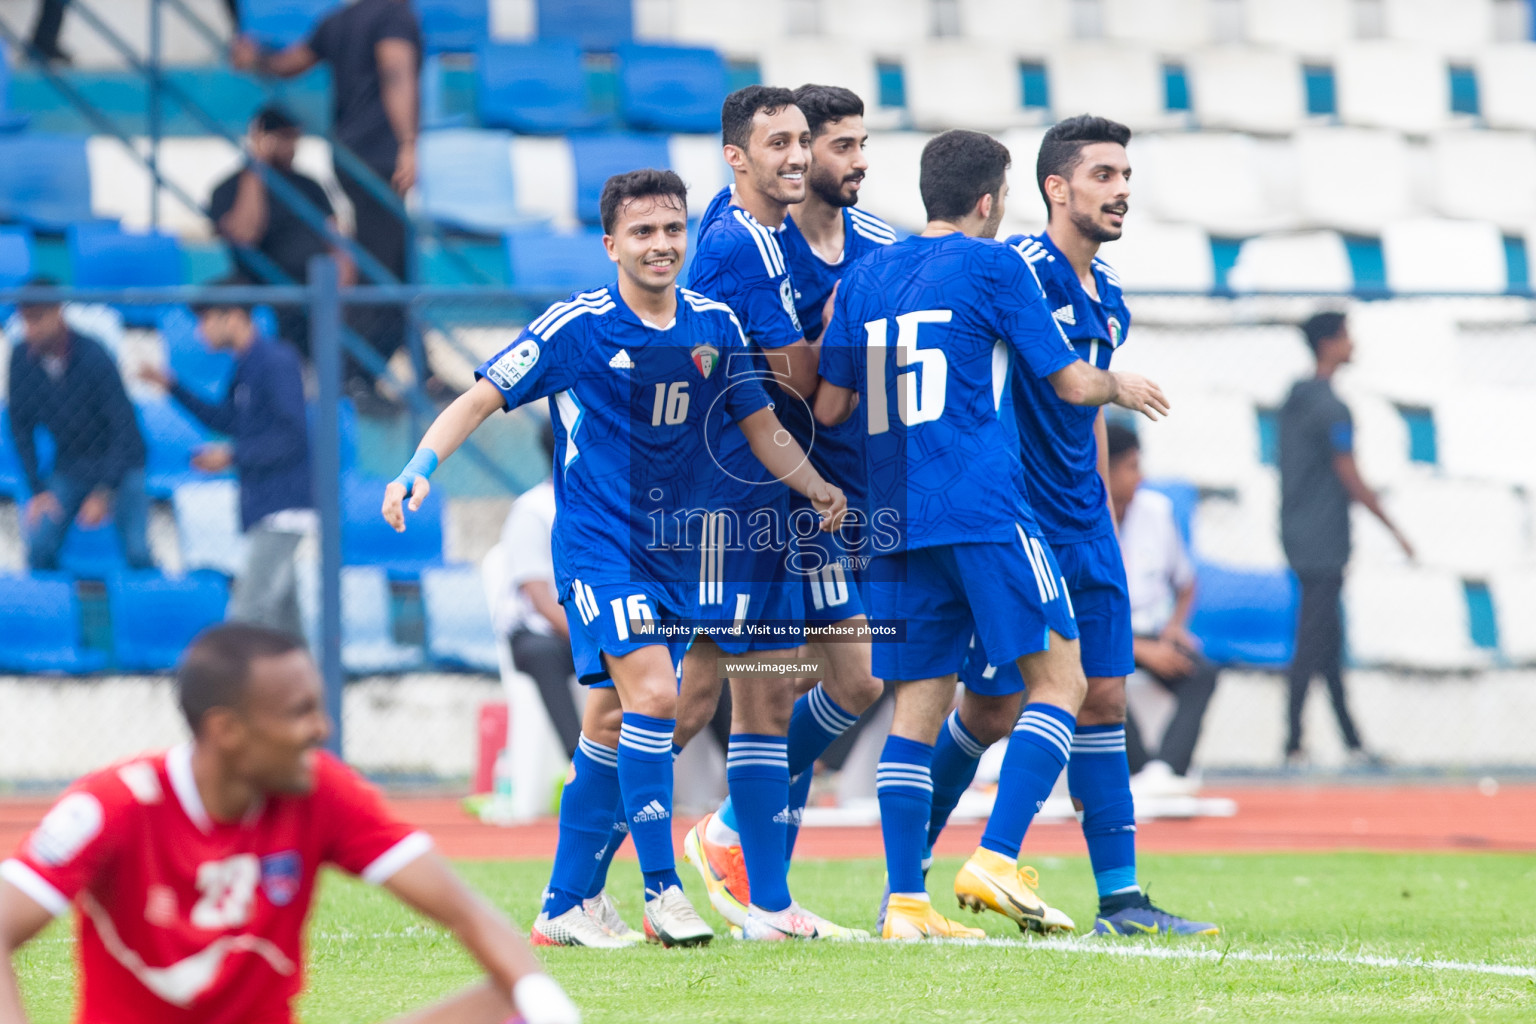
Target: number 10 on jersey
x=922, y=372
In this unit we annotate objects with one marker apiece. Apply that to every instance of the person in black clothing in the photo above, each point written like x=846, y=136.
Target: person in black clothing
x=1318, y=480
x=50, y=21
x=374, y=50
x=69, y=385
x=250, y=219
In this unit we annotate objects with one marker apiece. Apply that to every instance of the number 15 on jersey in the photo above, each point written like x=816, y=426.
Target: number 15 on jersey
x=923, y=373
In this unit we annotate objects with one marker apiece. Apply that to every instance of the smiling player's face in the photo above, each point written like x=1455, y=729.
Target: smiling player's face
x=1099, y=191
x=779, y=153
x=649, y=241
x=838, y=162
x=280, y=723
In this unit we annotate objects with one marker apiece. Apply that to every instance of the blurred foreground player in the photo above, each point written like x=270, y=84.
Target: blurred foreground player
x=192, y=871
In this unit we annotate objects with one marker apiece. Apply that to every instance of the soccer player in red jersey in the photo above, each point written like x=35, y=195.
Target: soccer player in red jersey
x=192, y=871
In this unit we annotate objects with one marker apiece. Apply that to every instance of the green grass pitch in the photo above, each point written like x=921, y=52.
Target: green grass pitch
x=1309, y=937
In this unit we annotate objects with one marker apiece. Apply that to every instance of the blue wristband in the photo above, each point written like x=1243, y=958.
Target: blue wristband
x=421, y=464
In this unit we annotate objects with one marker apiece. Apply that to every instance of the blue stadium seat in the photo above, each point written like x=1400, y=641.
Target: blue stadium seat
x=595, y=24
x=154, y=617
x=13, y=483
x=103, y=256
x=367, y=643
x=465, y=179
x=453, y=26
x=366, y=539
x=671, y=88
x=40, y=627
x=1246, y=618
x=172, y=436
x=92, y=553
x=459, y=630
x=544, y=262
x=45, y=180
x=534, y=88
x=9, y=121
x=1185, y=498
x=600, y=157
x=203, y=372
x=15, y=255
x=280, y=22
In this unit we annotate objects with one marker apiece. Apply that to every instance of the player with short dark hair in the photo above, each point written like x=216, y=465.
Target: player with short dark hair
x=193, y=871
x=925, y=335
x=639, y=377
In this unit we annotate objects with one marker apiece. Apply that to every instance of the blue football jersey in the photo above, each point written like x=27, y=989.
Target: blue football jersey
x=928, y=332
x=633, y=407
x=1060, y=452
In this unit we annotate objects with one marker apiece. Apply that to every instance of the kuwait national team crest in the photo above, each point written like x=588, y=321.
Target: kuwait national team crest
x=705, y=357
x=281, y=876
x=1114, y=332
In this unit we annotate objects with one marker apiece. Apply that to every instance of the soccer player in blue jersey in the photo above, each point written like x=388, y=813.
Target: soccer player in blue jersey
x=1085, y=179
x=821, y=238
x=754, y=562
x=639, y=374
x=926, y=335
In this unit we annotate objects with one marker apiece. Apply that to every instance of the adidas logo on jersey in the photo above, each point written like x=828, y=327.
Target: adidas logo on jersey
x=621, y=360
x=652, y=811
x=1067, y=315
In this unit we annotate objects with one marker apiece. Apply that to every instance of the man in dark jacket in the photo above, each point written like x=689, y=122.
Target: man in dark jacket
x=263, y=413
x=69, y=385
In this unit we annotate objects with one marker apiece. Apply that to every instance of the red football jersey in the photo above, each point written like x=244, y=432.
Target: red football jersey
x=184, y=920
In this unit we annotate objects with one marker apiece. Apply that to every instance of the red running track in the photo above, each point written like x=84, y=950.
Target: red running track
x=1289, y=818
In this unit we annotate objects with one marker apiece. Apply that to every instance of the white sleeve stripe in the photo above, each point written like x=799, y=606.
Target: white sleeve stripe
x=396, y=857
x=771, y=245
x=553, y=329
x=596, y=298
x=35, y=886
x=758, y=240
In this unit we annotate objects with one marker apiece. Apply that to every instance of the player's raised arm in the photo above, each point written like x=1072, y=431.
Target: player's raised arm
x=21, y=917
x=451, y=428
x=782, y=456
x=430, y=886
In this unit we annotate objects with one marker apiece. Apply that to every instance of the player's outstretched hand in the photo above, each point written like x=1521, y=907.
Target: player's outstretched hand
x=1138, y=394
x=541, y=1000
x=395, y=500
x=830, y=501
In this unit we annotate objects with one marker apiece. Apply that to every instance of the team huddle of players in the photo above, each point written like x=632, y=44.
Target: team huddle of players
x=828, y=431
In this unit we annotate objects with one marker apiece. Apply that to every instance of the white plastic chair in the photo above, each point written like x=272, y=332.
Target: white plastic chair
x=1402, y=86
x=1352, y=179
x=1247, y=89
x=1424, y=255
x=1314, y=261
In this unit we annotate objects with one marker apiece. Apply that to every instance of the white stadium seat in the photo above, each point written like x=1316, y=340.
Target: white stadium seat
x=1455, y=155
x=1476, y=428
x=544, y=179
x=890, y=191
x=1506, y=81
x=961, y=84
x=795, y=62
x=516, y=20
x=1247, y=89
x=882, y=24
x=1425, y=255
x=1470, y=528
x=1170, y=24
x=1260, y=363
x=1456, y=28
x=1313, y=261
x=1402, y=86
x=1405, y=350
x=1027, y=26
x=1352, y=179
x=1514, y=605
x=1411, y=618
x=1381, y=434
x=1025, y=210
x=1308, y=27
x=1162, y=257
x=1212, y=440
x=737, y=27
x=1241, y=532
x=1213, y=179
x=1108, y=79
x=699, y=162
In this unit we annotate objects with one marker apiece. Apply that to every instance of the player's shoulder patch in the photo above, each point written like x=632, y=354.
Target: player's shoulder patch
x=514, y=364
x=67, y=829
x=765, y=241
x=871, y=227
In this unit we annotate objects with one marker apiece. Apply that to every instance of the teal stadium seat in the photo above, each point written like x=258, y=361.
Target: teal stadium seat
x=40, y=627
x=154, y=617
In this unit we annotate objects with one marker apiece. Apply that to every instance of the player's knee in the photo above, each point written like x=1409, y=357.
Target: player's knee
x=988, y=720
x=855, y=692
x=1103, y=702
x=655, y=701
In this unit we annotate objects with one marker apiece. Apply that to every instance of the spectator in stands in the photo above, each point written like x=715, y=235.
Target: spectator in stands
x=263, y=230
x=50, y=21
x=1161, y=581
x=1318, y=480
x=263, y=413
x=374, y=50
x=69, y=384
x=529, y=612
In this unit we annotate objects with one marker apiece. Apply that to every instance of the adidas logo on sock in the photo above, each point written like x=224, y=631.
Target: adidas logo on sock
x=652, y=811
x=784, y=817
x=1067, y=315
x=621, y=360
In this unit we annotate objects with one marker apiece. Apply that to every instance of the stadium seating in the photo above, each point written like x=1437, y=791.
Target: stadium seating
x=1333, y=193
x=1242, y=531
x=367, y=645
x=1457, y=29
x=1414, y=618
x=154, y=617
x=533, y=87
x=465, y=180
x=671, y=88
x=1393, y=85
x=202, y=371
x=366, y=539
x=1514, y=597
x=277, y=23
x=453, y=26
x=1471, y=529
x=1164, y=257
x=1467, y=417
x=1176, y=25
x=546, y=261
x=1025, y=26
x=544, y=179
x=13, y=483
x=599, y=157
x=92, y=553
x=1454, y=155
x=891, y=188
x=959, y=84
x=208, y=526
x=1213, y=441
x=15, y=255
x=1415, y=252
x=45, y=180
x=1212, y=179
x=1120, y=82
x=1506, y=81
x=459, y=630
x=882, y=24
x=102, y=256
x=1314, y=261
x=1247, y=89
x=1246, y=618
x=697, y=159
x=40, y=628
x=848, y=63
x=594, y=24
x=172, y=437
x=1311, y=28
x=736, y=27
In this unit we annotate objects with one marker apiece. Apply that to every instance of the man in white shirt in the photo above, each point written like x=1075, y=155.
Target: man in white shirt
x=1161, y=581
x=529, y=614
